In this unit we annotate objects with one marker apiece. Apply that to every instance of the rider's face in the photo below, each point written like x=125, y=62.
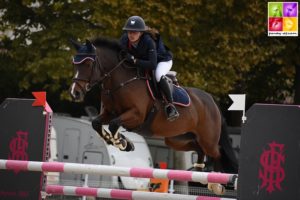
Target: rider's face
x=134, y=36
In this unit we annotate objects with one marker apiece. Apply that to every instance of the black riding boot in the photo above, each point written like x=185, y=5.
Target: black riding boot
x=170, y=109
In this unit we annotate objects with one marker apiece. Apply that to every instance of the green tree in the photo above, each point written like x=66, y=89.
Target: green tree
x=36, y=40
x=220, y=46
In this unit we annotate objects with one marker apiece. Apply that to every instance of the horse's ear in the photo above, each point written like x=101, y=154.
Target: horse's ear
x=76, y=44
x=88, y=44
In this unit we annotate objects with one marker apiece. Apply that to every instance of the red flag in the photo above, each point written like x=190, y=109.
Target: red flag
x=40, y=99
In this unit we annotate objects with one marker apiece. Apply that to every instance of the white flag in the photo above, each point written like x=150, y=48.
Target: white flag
x=238, y=102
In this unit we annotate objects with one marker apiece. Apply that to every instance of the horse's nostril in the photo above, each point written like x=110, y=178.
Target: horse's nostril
x=77, y=94
x=88, y=87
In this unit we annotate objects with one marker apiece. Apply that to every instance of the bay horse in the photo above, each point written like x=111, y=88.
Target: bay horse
x=126, y=102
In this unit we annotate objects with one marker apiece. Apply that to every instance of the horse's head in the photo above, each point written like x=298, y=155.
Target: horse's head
x=83, y=62
x=105, y=66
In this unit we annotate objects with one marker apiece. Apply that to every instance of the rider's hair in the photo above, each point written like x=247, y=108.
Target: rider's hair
x=153, y=32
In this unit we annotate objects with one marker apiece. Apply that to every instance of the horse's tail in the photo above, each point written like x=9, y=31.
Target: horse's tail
x=228, y=158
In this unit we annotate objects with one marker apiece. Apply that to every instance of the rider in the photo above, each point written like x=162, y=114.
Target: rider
x=143, y=53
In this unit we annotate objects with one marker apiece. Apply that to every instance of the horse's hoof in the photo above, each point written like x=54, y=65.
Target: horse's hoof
x=122, y=143
x=127, y=145
x=199, y=165
x=130, y=146
x=216, y=188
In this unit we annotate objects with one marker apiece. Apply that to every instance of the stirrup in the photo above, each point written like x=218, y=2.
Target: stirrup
x=174, y=110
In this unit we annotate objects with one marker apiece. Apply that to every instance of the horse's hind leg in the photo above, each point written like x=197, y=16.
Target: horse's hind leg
x=187, y=142
x=182, y=142
x=211, y=148
x=200, y=165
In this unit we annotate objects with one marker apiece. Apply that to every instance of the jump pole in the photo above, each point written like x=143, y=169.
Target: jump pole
x=122, y=194
x=179, y=175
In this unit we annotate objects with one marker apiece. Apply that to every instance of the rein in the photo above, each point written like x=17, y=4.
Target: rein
x=108, y=74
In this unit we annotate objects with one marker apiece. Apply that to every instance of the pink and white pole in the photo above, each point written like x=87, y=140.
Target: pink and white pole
x=179, y=175
x=122, y=194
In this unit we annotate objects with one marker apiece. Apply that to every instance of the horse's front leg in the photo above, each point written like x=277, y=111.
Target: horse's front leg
x=128, y=118
x=97, y=125
x=113, y=134
x=118, y=139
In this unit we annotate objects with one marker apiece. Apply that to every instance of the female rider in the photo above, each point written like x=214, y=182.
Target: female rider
x=145, y=53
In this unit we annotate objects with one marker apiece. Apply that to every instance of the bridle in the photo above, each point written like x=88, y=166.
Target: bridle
x=88, y=86
x=106, y=74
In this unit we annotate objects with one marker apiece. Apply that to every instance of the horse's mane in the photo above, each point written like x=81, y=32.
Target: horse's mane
x=112, y=44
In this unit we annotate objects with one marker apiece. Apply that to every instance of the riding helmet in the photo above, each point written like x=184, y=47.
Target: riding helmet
x=135, y=23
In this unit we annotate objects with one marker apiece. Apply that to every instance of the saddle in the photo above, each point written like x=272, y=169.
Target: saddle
x=180, y=95
x=180, y=98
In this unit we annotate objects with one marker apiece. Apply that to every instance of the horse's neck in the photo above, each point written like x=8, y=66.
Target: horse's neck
x=121, y=76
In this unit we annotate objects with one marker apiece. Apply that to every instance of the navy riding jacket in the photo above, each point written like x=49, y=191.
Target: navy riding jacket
x=148, y=52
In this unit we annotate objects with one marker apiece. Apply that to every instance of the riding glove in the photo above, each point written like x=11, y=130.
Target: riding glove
x=130, y=58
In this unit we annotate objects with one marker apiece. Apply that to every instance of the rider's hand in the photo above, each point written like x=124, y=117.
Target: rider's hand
x=130, y=58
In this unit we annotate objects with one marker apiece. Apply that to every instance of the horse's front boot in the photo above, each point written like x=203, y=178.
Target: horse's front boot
x=123, y=143
x=97, y=126
x=119, y=140
x=107, y=136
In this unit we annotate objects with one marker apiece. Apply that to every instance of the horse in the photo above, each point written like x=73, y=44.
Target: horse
x=127, y=102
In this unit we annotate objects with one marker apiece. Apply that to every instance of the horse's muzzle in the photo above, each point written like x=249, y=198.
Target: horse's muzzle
x=76, y=94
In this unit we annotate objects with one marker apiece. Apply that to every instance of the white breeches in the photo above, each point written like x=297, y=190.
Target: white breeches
x=162, y=69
